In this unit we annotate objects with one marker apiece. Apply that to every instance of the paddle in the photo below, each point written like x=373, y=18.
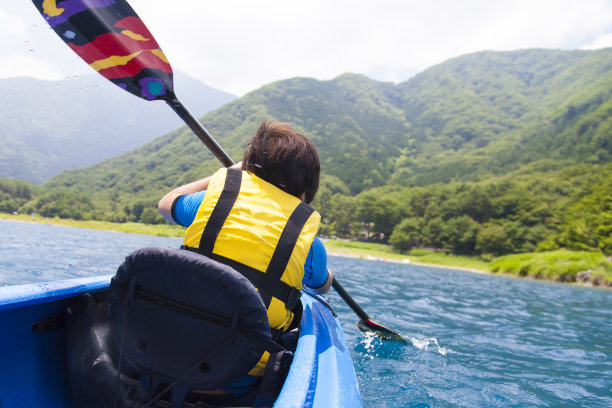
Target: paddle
x=113, y=40
x=366, y=324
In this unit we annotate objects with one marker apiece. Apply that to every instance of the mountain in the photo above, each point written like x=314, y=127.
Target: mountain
x=50, y=126
x=481, y=114
x=493, y=112
x=487, y=153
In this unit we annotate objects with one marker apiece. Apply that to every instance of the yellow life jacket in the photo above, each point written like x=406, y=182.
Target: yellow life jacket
x=262, y=232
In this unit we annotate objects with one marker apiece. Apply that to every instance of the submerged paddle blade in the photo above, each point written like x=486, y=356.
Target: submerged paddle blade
x=113, y=40
x=380, y=330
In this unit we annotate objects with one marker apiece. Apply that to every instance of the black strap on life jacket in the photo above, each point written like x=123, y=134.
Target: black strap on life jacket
x=219, y=214
x=268, y=283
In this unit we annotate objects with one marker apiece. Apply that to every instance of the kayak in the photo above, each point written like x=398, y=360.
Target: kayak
x=34, y=367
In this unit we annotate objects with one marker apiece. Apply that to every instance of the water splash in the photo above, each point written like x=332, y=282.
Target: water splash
x=423, y=344
x=370, y=343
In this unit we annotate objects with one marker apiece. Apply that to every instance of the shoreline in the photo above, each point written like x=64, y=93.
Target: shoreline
x=101, y=225
x=349, y=254
x=174, y=231
x=405, y=261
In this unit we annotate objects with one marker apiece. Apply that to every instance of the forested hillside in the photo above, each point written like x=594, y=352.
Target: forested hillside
x=50, y=126
x=493, y=152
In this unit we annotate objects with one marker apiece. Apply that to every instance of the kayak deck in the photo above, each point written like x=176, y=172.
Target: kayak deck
x=33, y=359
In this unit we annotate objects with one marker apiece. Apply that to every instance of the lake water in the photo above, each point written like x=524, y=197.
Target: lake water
x=474, y=340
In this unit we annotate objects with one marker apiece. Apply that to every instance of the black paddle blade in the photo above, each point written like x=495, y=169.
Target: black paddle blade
x=113, y=40
x=381, y=331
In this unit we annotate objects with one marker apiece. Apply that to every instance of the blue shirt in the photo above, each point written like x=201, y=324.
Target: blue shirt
x=315, y=269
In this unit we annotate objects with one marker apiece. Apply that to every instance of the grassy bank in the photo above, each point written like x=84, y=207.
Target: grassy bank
x=560, y=266
x=372, y=250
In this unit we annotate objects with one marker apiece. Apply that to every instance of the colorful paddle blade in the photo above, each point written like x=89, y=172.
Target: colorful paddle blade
x=113, y=40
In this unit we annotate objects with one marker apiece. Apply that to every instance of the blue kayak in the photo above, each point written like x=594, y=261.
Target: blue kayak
x=34, y=371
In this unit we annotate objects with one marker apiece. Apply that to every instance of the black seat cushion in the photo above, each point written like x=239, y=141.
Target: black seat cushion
x=171, y=308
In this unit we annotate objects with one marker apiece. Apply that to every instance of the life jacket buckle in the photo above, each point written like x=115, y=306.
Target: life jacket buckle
x=293, y=300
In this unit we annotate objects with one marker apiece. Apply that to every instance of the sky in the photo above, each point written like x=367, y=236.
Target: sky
x=240, y=45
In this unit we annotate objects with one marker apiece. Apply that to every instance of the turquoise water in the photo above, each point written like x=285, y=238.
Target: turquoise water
x=473, y=340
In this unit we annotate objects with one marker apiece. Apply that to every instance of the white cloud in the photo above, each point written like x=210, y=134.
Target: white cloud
x=240, y=45
x=24, y=65
x=28, y=47
x=603, y=41
x=13, y=33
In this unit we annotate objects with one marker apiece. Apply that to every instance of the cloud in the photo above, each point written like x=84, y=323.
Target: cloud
x=18, y=57
x=603, y=41
x=13, y=32
x=29, y=47
x=23, y=65
x=240, y=45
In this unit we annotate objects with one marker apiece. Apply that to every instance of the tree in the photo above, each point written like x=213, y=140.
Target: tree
x=150, y=216
x=406, y=235
x=137, y=210
x=459, y=234
x=588, y=223
x=493, y=239
x=382, y=213
x=339, y=219
x=432, y=232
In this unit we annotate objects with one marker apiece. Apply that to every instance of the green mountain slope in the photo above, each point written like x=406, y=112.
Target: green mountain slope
x=488, y=153
x=493, y=112
x=491, y=153
x=477, y=115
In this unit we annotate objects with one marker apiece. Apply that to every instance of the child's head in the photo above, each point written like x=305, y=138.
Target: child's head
x=283, y=157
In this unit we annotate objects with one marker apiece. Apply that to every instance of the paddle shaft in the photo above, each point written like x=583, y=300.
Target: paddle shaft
x=200, y=131
x=227, y=161
x=350, y=301
x=154, y=82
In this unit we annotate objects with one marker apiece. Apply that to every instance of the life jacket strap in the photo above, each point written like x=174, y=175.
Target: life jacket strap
x=288, y=239
x=219, y=214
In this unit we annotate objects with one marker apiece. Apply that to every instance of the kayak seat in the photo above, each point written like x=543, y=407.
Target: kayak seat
x=176, y=323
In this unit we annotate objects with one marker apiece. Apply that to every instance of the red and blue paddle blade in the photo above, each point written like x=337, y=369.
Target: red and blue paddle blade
x=113, y=40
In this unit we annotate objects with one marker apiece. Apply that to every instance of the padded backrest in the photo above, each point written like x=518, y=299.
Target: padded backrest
x=173, y=308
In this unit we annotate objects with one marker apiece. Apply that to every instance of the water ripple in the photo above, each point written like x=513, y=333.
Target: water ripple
x=474, y=340
x=477, y=340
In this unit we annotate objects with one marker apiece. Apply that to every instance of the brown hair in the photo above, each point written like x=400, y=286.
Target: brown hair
x=285, y=158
